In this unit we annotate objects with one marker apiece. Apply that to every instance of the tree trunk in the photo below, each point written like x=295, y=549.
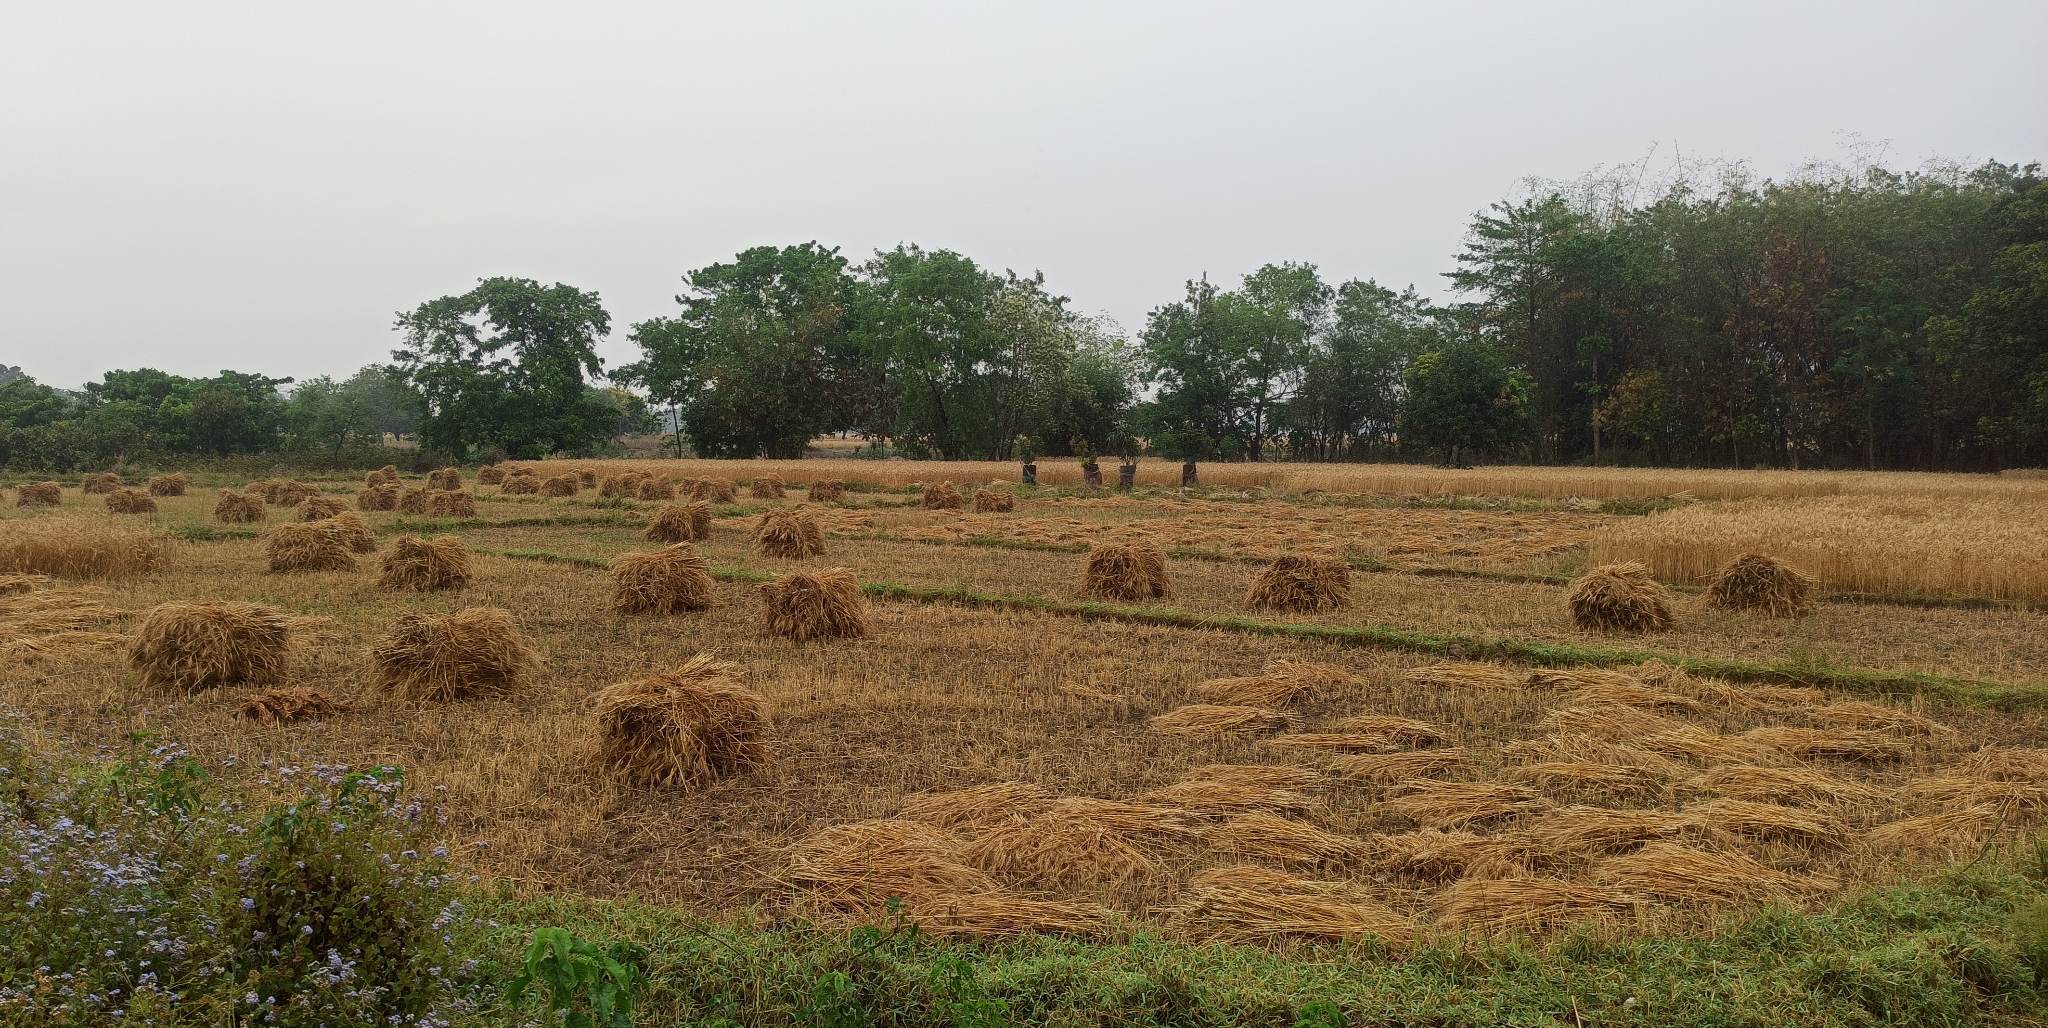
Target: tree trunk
x=1188, y=477
x=1092, y=475
x=1030, y=473
x=1126, y=477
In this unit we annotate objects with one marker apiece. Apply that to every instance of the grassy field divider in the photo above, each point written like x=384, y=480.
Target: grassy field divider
x=2004, y=696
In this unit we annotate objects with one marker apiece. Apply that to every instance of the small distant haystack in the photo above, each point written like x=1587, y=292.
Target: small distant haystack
x=382, y=496
x=490, y=474
x=1301, y=583
x=690, y=726
x=419, y=565
x=1125, y=571
x=472, y=653
x=815, y=605
x=832, y=491
x=39, y=494
x=235, y=508
x=284, y=492
x=386, y=475
x=1755, y=581
x=993, y=501
x=192, y=646
x=766, y=487
x=353, y=531
x=454, y=503
x=657, y=489
x=130, y=501
x=99, y=482
x=414, y=501
x=560, y=485
x=320, y=508
x=444, y=478
x=793, y=534
x=289, y=704
x=940, y=496
x=621, y=486
x=586, y=477
x=172, y=484
x=1619, y=598
x=664, y=581
x=314, y=547
x=519, y=485
x=681, y=523
x=715, y=490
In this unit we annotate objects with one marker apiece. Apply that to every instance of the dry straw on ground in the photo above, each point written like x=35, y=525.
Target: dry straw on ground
x=1619, y=598
x=560, y=485
x=1512, y=904
x=862, y=867
x=1125, y=571
x=173, y=484
x=1223, y=719
x=320, y=508
x=1678, y=873
x=99, y=482
x=1305, y=583
x=1795, y=787
x=419, y=565
x=680, y=523
x=1758, y=582
x=940, y=496
x=1387, y=768
x=1057, y=848
x=82, y=547
x=131, y=501
x=187, y=647
x=1250, y=904
x=979, y=806
x=765, y=487
x=444, y=478
x=684, y=728
x=993, y=501
x=1433, y=804
x=815, y=605
x=1766, y=822
x=832, y=491
x=1261, y=836
x=39, y=494
x=1469, y=675
x=1280, y=684
x=309, y=547
x=233, y=508
x=381, y=496
x=665, y=581
x=792, y=534
x=288, y=705
x=1230, y=797
x=473, y=653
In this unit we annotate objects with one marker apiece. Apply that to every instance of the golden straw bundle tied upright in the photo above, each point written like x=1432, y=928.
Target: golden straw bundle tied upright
x=816, y=605
x=793, y=534
x=382, y=496
x=40, y=494
x=188, y=647
x=1757, y=582
x=233, y=508
x=940, y=496
x=319, y=508
x=489, y=474
x=832, y=491
x=1125, y=571
x=684, y=728
x=1619, y=598
x=131, y=501
x=993, y=501
x=314, y=547
x=560, y=485
x=681, y=523
x=99, y=482
x=417, y=565
x=471, y=654
x=766, y=487
x=1305, y=583
x=665, y=581
x=172, y=484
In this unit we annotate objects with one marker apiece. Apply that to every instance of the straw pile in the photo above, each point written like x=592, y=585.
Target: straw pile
x=940, y=496
x=978, y=807
x=289, y=704
x=1619, y=598
x=192, y=646
x=519, y=485
x=1304, y=583
x=475, y=652
x=1281, y=683
x=1432, y=804
x=833, y=491
x=1582, y=832
x=1125, y=571
x=657, y=489
x=560, y=485
x=1767, y=822
x=1223, y=719
x=2014, y=801
x=490, y=474
x=381, y=496
x=1824, y=743
x=99, y=482
x=1878, y=717
x=815, y=605
x=283, y=492
x=417, y=565
x=1592, y=778
x=860, y=867
x=1385, y=768
x=386, y=475
x=1056, y=848
x=765, y=487
x=664, y=581
x=235, y=508
x=413, y=501
x=2003, y=763
x=1681, y=874
x=993, y=501
x=680, y=523
x=444, y=478
x=131, y=501
x=1757, y=582
x=314, y=547
x=172, y=484
x=1249, y=904
x=320, y=508
x=1949, y=832
x=714, y=490
x=1257, y=835
x=792, y=534
x=454, y=503
x=587, y=477
x=1230, y=797
x=684, y=728
x=1792, y=787
x=39, y=494
x=1515, y=904
x=620, y=486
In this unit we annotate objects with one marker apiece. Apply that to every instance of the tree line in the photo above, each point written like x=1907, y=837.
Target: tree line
x=1837, y=318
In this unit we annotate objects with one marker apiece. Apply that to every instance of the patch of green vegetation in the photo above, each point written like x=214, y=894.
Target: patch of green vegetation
x=211, y=533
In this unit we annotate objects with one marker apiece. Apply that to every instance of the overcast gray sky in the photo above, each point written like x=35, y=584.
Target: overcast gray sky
x=259, y=186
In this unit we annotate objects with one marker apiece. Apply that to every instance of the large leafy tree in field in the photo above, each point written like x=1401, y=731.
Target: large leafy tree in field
x=1465, y=401
x=925, y=318
x=1350, y=392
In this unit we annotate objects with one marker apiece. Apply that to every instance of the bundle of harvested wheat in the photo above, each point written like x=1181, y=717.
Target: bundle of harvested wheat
x=99, y=482
x=1510, y=904
x=1261, y=836
x=39, y=494
x=815, y=605
x=235, y=508
x=1125, y=571
x=490, y=474
x=284, y=492
x=417, y=565
x=1222, y=719
x=1879, y=717
x=413, y=501
x=586, y=477
x=1754, y=581
x=1792, y=787
x=194, y=646
x=1384, y=768
x=131, y=501
x=680, y=523
x=386, y=475
x=1301, y=583
x=444, y=478
x=1767, y=822
x=1281, y=683
x=993, y=501
x=865, y=866
x=2003, y=763
x=519, y=485
x=382, y=496
x=832, y=491
x=289, y=704
x=560, y=485
x=657, y=489
x=1230, y=797
x=683, y=728
x=714, y=490
x=793, y=534
x=979, y=806
x=1582, y=832
x=1262, y=776
x=940, y=496
x=1134, y=819
x=1619, y=598
x=314, y=547
x=766, y=487
x=1437, y=856
x=1681, y=874
x=1828, y=743
x=2017, y=802
x=1248, y=904
x=664, y=581
x=1948, y=832
x=1696, y=744
x=172, y=484
x=453, y=503
x=1056, y=848
x=353, y=531
x=320, y=508
x=472, y=653
x=620, y=486
x=1630, y=695
x=1433, y=804
x=1592, y=778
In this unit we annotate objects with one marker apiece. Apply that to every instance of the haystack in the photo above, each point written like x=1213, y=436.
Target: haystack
x=382, y=496
x=681, y=523
x=815, y=605
x=519, y=485
x=472, y=653
x=657, y=489
x=993, y=501
x=664, y=581
x=792, y=534
x=453, y=503
x=131, y=501
x=320, y=508
x=192, y=646
x=412, y=501
x=235, y=508
x=99, y=482
x=1619, y=598
x=172, y=484
x=765, y=487
x=490, y=474
x=353, y=531
x=618, y=486
x=39, y=494
x=314, y=547
x=1125, y=571
x=1301, y=583
x=832, y=491
x=586, y=477
x=386, y=475
x=1758, y=582
x=418, y=565
x=560, y=485
x=715, y=490
x=284, y=492
x=940, y=496
x=289, y=704
x=683, y=728
x=444, y=478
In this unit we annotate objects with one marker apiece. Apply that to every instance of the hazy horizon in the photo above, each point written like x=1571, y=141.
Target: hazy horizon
x=260, y=186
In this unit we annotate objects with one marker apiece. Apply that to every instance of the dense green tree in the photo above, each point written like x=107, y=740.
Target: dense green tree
x=25, y=402
x=1349, y=399
x=925, y=317
x=1465, y=401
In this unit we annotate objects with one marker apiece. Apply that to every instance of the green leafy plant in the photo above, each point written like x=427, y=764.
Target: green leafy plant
x=587, y=986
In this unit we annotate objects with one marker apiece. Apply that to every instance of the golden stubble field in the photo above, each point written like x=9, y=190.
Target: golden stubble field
x=1379, y=793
